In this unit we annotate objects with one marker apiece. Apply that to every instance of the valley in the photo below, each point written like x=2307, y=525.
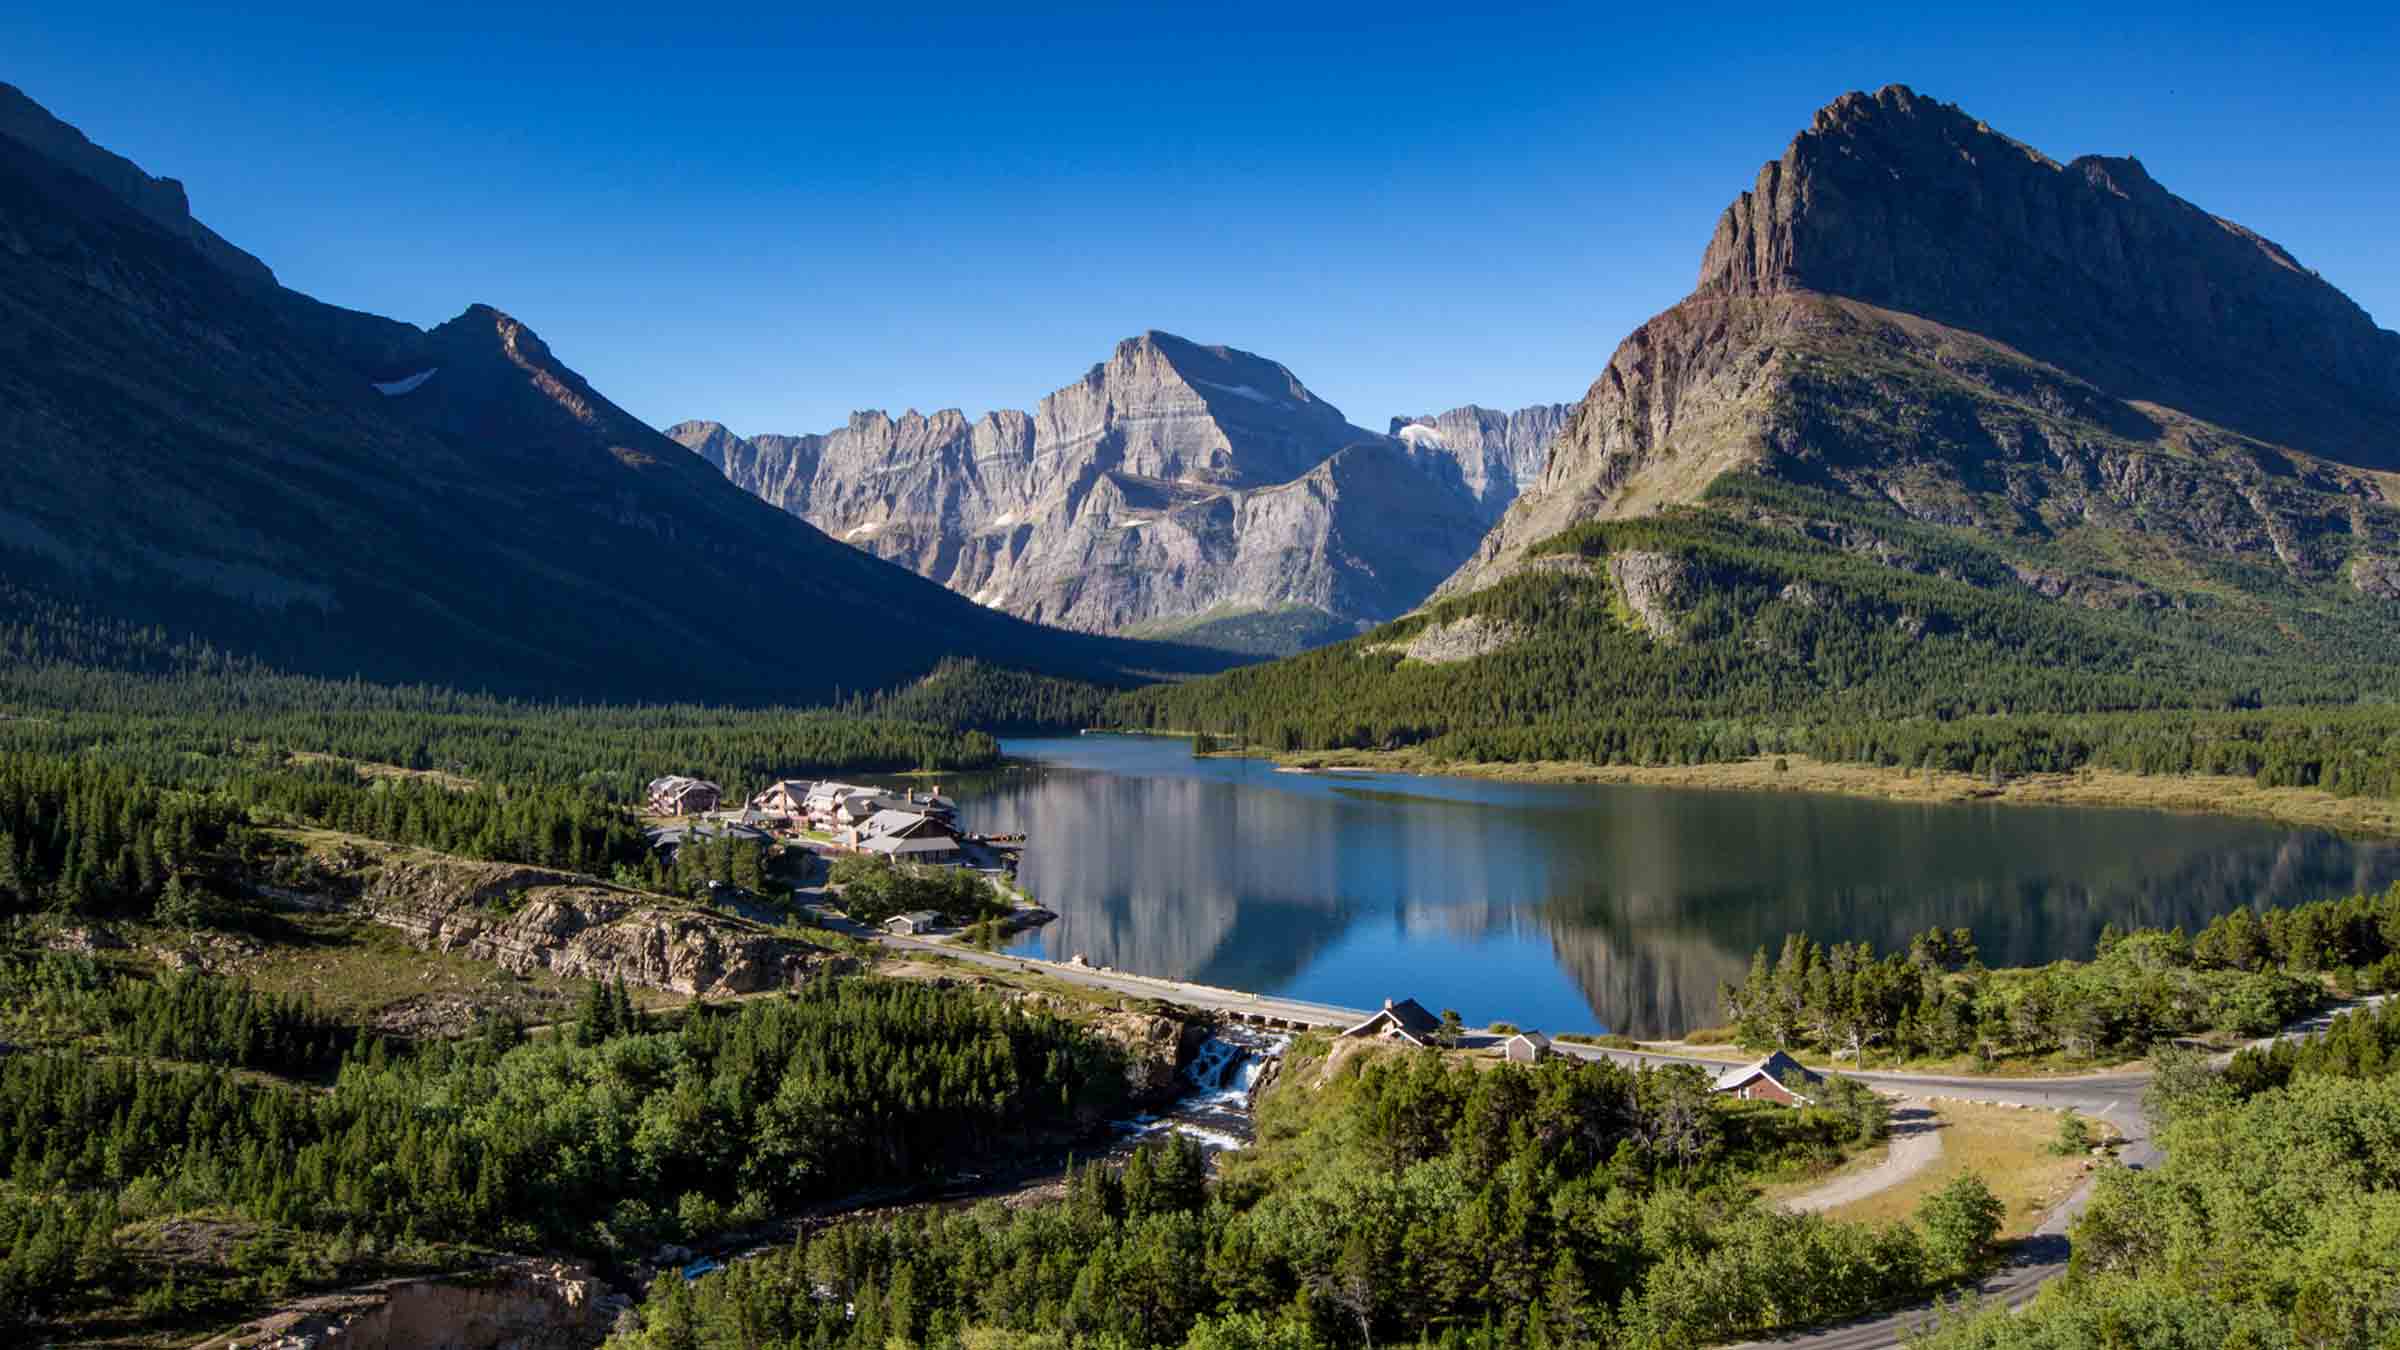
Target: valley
x=1891, y=794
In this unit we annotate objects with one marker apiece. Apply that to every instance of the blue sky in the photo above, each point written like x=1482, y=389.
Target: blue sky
x=773, y=217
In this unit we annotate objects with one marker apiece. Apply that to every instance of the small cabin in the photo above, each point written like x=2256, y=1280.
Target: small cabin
x=1777, y=1078
x=917, y=924
x=1405, y=1020
x=1527, y=1047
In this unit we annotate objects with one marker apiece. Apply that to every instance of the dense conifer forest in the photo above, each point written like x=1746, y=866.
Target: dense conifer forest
x=605, y=1141
x=2243, y=975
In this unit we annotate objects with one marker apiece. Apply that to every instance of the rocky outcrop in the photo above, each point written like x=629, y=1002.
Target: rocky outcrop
x=516, y=1304
x=1172, y=491
x=2375, y=575
x=1915, y=310
x=1156, y=1046
x=526, y=919
x=1460, y=639
x=1657, y=587
x=1158, y=1040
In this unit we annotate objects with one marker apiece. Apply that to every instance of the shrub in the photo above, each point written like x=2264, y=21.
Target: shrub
x=1960, y=1221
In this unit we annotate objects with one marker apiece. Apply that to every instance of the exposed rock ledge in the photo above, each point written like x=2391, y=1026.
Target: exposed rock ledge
x=529, y=918
x=2376, y=575
x=1461, y=639
x=1157, y=1044
x=1655, y=587
x=525, y=1304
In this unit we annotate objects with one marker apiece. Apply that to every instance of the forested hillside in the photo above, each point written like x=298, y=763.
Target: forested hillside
x=603, y=1144
x=1408, y=1201
x=1719, y=632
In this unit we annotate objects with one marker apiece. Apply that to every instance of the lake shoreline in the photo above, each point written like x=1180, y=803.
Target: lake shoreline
x=2308, y=808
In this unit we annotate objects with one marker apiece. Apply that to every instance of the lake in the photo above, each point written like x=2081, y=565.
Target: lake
x=1578, y=907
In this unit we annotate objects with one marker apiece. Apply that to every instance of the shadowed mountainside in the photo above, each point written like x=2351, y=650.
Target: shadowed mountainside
x=197, y=448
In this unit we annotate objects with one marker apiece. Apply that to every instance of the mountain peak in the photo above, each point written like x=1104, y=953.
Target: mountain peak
x=1911, y=204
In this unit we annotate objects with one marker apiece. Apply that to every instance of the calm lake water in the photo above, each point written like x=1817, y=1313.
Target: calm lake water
x=1578, y=907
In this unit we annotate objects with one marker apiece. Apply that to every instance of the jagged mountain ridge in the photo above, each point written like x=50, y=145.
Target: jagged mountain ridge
x=1914, y=309
x=195, y=447
x=1175, y=489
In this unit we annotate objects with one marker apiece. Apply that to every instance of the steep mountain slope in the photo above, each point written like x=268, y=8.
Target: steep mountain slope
x=1922, y=311
x=194, y=447
x=1176, y=489
x=1946, y=428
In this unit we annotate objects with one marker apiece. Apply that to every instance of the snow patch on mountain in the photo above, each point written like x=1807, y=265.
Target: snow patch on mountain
x=396, y=388
x=1245, y=391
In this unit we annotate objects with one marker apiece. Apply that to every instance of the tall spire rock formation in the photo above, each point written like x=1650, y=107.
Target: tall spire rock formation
x=1180, y=490
x=1915, y=308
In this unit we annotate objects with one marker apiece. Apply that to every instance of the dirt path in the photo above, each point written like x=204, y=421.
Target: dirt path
x=1916, y=1145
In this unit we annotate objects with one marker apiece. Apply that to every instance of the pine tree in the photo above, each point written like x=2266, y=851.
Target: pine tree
x=595, y=1016
x=628, y=1018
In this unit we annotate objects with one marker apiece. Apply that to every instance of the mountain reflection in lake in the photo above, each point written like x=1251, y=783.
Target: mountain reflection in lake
x=1578, y=907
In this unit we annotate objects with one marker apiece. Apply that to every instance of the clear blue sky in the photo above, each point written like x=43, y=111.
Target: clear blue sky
x=774, y=217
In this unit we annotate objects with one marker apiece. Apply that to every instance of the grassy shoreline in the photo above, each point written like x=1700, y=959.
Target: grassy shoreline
x=2308, y=808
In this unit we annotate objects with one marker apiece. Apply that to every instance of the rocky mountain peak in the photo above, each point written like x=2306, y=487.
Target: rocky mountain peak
x=1911, y=204
x=712, y=441
x=1164, y=407
x=1174, y=485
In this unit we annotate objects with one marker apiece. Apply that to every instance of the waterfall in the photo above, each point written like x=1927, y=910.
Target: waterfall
x=1216, y=1109
x=1217, y=1058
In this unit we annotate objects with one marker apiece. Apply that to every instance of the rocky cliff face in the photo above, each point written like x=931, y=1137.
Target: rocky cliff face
x=1913, y=308
x=1910, y=204
x=1175, y=490
x=525, y=919
x=518, y=1303
x=1496, y=455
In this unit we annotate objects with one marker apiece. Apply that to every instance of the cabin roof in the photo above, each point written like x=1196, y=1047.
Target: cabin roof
x=1407, y=1015
x=1779, y=1066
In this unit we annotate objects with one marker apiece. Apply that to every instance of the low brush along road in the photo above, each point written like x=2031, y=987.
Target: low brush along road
x=2034, y=1261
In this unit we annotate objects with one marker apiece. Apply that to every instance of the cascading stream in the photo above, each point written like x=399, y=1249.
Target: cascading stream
x=1216, y=1109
